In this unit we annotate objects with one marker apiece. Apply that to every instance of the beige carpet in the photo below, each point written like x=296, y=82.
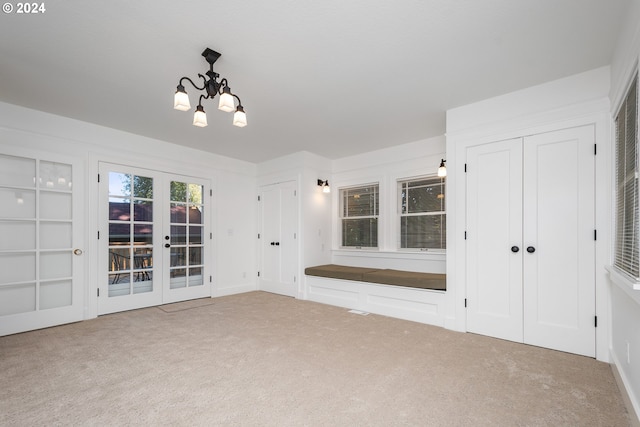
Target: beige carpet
x=259, y=359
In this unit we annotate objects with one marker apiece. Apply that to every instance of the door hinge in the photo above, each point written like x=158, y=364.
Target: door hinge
x=210, y=236
x=98, y=177
x=465, y=235
x=210, y=279
x=465, y=303
x=294, y=279
x=211, y=192
x=295, y=193
x=98, y=235
x=258, y=198
x=595, y=321
x=465, y=168
x=258, y=235
x=98, y=291
x=294, y=236
x=595, y=149
x=258, y=274
x=595, y=234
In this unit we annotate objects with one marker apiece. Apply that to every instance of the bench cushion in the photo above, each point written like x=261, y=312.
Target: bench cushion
x=386, y=277
x=407, y=278
x=338, y=271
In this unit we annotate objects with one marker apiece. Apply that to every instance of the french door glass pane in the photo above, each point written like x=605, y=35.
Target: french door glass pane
x=186, y=216
x=17, y=235
x=17, y=172
x=16, y=299
x=130, y=236
x=17, y=203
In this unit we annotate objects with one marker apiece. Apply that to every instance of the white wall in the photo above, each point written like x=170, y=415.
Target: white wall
x=625, y=302
x=572, y=101
x=233, y=184
x=386, y=167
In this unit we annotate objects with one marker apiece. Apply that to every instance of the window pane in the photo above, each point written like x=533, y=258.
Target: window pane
x=119, y=209
x=195, y=194
x=627, y=211
x=119, y=184
x=143, y=187
x=360, y=232
x=178, y=213
x=143, y=211
x=424, y=231
x=143, y=234
x=178, y=191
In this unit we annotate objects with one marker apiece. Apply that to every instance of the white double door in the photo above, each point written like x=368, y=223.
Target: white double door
x=530, y=244
x=278, y=243
x=154, y=238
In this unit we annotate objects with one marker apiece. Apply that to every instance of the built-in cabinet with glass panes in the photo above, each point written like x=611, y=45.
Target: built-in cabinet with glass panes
x=37, y=225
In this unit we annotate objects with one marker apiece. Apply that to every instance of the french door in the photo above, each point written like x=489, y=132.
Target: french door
x=41, y=229
x=154, y=238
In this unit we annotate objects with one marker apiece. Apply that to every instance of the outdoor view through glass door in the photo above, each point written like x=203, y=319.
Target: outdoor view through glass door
x=156, y=225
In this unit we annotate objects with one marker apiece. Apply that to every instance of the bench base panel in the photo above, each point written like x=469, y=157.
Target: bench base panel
x=418, y=305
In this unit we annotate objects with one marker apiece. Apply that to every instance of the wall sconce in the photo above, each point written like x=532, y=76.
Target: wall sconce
x=324, y=185
x=442, y=170
x=211, y=87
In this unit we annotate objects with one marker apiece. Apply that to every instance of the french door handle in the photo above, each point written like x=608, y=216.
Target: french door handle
x=515, y=249
x=531, y=249
x=277, y=243
x=273, y=243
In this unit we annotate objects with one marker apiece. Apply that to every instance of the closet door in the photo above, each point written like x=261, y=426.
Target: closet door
x=494, y=236
x=559, y=255
x=278, y=242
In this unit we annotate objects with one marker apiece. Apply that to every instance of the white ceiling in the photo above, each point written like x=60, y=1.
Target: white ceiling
x=333, y=77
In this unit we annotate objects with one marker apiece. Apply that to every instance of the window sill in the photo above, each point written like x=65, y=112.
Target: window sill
x=620, y=279
x=422, y=255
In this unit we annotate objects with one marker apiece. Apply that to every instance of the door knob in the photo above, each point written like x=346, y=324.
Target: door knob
x=166, y=245
x=515, y=249
x=77, y=251
x=277, y=243
x=531, y=249
x=273, y=243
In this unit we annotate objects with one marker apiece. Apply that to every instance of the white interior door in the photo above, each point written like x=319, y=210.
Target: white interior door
x=155, y=238
x=530, y=240
x=278, y=240
x=559, y=223
x=41, y=226
x=494, y=236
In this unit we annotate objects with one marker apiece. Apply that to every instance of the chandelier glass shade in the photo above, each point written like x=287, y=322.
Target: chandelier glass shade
x=211, y=87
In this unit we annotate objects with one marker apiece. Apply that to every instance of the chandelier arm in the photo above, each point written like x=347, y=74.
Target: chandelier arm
x=238, y=98
x=192, y=83
x=203, y=97
x=223, y=83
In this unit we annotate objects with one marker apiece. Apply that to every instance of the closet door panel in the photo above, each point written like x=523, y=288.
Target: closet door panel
x=494, y=227
x=559, y=281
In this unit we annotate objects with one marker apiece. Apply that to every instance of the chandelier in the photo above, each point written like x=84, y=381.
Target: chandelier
x=212, y=87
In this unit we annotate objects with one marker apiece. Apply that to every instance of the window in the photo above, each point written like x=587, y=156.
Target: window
x=422, y=214
x=359, y=216
x=626, y=123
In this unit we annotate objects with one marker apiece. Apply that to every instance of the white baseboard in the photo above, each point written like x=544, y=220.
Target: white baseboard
x=232, y=290
x=630, y=400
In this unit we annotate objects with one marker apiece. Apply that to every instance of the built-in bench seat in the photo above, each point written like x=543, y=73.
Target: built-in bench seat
x=409, y=295
x=409, y=279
